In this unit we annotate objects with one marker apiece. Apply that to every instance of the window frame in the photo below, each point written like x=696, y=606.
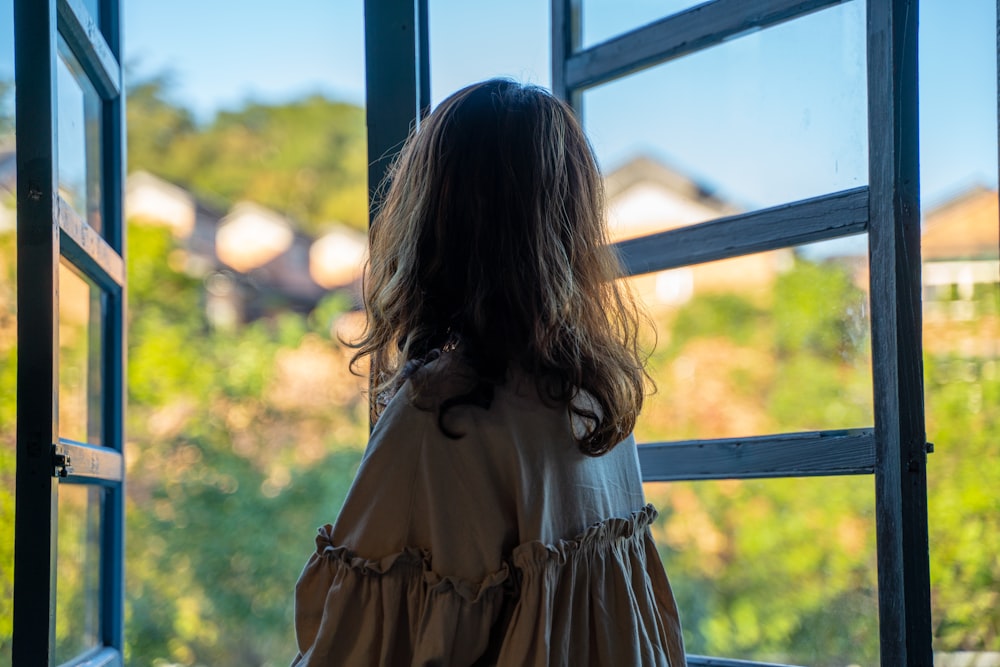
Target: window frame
x=894, y=450
x=50, y=231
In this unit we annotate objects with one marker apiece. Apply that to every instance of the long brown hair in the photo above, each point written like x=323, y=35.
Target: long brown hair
x=491, y=241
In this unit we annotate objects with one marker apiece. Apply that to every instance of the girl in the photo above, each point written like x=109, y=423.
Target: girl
x=498, y=516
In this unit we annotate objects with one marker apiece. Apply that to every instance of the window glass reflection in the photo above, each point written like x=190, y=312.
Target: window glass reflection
x=79, y=138
x=80, y=357
x=78, y=568
x=94, y=8
x=774, y=342
x=770, y=117
x=602, y=20
x=776, y=570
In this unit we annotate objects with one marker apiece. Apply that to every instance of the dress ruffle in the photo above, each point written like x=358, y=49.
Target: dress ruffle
x=584, y=601
x=407, y=562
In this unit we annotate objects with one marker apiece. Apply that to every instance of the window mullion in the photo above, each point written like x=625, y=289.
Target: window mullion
x=38, y=346
x=894, y=255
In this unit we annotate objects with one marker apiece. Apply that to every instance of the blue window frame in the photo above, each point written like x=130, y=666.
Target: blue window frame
x=69, y=522
x=894, y=449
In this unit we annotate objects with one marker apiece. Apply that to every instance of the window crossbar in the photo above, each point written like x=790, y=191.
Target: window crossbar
x=807, y=221
x=808, y=454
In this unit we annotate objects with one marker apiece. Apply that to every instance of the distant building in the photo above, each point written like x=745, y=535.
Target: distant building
x=959, y=249
x=960, y=246
x=646, y=196
x=253, y=260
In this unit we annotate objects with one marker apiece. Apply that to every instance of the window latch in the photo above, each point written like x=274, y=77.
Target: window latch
x=62, y=464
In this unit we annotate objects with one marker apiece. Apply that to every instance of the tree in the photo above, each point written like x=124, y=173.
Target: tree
x=241, y=443
x=306, y=159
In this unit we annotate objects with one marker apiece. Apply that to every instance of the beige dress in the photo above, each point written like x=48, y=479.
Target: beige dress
x=506, y=547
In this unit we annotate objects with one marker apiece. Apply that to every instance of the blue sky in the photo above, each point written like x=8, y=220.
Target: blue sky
x=759, y=138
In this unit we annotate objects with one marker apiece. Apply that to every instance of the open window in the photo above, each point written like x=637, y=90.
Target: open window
x=68, y=563
x=591, y=59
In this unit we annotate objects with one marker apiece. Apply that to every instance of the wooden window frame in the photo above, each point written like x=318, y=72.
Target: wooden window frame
x=50, y=231
x=887, y=210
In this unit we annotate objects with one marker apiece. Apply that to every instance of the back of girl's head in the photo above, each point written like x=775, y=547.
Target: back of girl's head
x=491, y=237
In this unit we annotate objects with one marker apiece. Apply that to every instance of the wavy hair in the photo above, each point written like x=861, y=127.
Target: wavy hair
x=491, y=244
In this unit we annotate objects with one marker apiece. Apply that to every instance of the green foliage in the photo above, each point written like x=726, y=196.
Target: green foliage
x=727, y=314
x=820, y=312
x=227, y=479
x=784, y=570
x=963, y=401
x=306, y=159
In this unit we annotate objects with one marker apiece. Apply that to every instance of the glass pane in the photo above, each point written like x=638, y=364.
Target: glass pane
x=780, y=570
x=961, y=327
x=79, y=138
x=771, y=117
x=472, y=41
x=80, y=352
x=78, y=570
x=8, y=326
x=94, y=8
x=774, y=342
x=601, y=19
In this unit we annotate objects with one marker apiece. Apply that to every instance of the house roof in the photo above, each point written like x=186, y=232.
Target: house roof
x=964, y=227
x=643, y=169
x=645, y=196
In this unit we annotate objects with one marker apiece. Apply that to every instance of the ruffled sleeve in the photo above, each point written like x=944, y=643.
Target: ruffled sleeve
x=598, y=599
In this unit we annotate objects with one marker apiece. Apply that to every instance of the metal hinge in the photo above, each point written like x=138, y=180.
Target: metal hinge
x=61, y=464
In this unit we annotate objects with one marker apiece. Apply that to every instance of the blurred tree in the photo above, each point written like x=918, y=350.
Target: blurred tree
x=963, y=421
x=229, y=475
x=783, y=570
x=777, y=570
x=306, y=159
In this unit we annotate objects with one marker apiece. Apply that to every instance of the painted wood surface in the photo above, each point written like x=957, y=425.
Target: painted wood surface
x=90, y=48
x=88, y=250
x=91, y=463
x=807, y=221
x=845, y=452
x=694, y=29
x=894, y=256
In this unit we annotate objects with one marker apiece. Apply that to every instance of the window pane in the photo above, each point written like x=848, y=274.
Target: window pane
x=79, y=138
x=774, y=342
x=472, y=41
x=961, y=327
x=8, y=325
x=94, y=8
x=80, y=352
x=771, y=117
x=78, y=570
x=601, y=20
x=779, y=570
